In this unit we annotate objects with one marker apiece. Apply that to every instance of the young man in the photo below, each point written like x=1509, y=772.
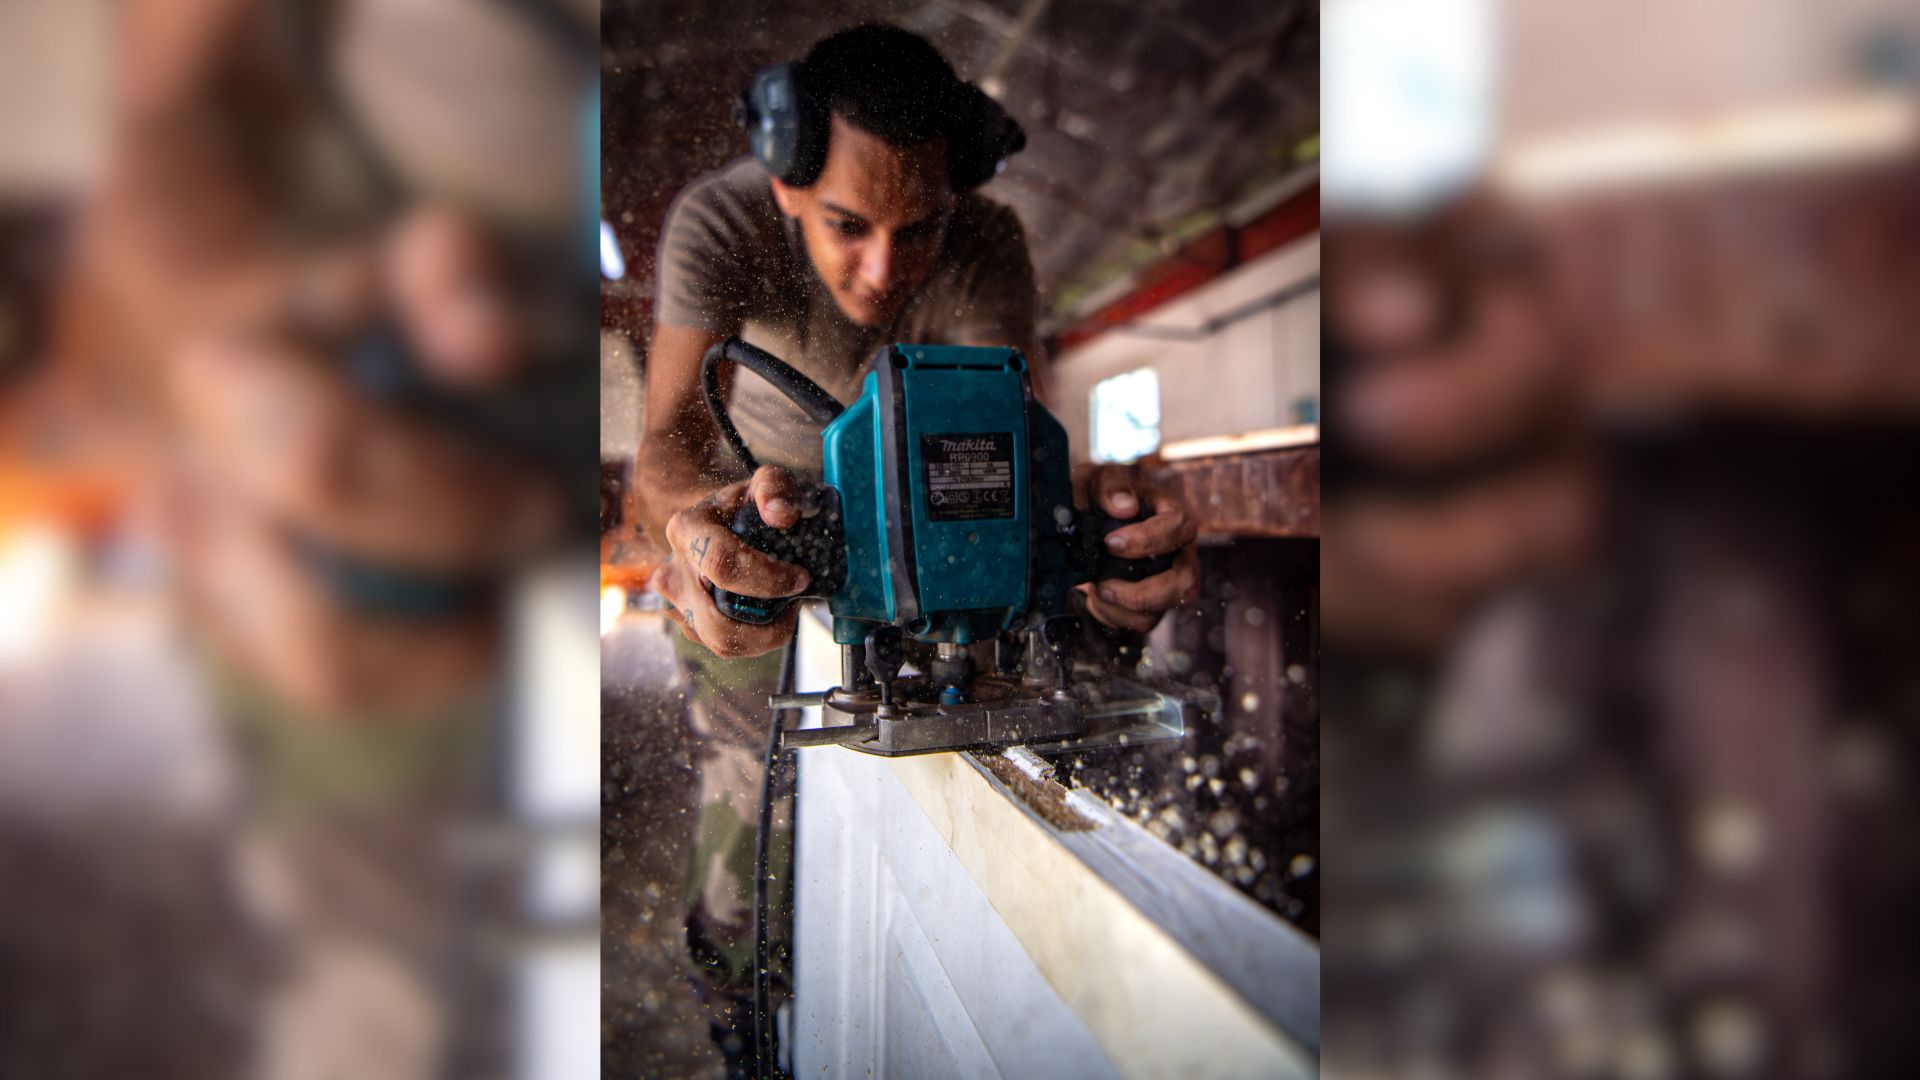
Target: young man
x=878, y=246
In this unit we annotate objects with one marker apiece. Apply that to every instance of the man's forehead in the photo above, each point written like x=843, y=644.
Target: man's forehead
x=884, y=184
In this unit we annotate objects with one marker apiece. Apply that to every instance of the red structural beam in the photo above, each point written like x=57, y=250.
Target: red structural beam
x=1203, y=259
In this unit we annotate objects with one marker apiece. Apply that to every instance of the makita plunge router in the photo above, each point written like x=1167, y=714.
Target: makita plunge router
x=945, y=515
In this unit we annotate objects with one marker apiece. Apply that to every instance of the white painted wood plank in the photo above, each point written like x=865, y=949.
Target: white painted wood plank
x=943, y=929
x=898, y=949
x=1156, y=1009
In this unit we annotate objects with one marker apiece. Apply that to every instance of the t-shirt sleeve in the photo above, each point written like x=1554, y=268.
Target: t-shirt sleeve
x=999, y=299
x=700, y=281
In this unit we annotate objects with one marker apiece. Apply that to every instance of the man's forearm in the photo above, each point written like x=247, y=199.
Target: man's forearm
x=667, y=480
x=675, y=465
x=663, y=488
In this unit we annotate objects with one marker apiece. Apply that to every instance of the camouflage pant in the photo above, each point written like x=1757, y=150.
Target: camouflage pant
x=731, y=721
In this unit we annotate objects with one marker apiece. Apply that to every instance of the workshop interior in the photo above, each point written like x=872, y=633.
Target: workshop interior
x=958, y=772
x=937, y=689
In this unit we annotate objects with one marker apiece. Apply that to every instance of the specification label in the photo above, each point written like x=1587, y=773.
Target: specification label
x=969, y=477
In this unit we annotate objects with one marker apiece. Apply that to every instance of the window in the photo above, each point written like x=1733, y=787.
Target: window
x=612, y=266
x=1126, y=416
x=1409, y=95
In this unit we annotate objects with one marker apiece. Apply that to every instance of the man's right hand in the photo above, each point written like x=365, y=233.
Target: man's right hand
x=706, y=553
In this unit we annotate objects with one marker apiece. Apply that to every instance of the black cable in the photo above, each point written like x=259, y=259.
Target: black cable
x=821, y=407
x=763, y=1049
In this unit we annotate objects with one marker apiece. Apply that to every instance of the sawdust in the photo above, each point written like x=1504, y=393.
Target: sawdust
x=1045, y=798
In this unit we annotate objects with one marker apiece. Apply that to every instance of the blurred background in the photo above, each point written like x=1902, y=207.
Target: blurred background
x=1621, y=399
x=297, y=420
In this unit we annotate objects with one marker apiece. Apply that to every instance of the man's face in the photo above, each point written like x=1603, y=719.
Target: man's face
x=874, y=221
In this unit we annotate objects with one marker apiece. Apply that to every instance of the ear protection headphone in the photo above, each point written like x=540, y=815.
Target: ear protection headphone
x=787, y=130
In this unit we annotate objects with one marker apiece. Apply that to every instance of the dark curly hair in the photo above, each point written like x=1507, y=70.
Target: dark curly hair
x=884, y=80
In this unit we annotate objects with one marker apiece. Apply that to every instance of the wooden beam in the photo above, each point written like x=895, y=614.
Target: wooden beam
x=1274, y=493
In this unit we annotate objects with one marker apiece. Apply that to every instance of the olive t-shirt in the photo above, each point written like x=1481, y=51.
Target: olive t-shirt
x=731, y=262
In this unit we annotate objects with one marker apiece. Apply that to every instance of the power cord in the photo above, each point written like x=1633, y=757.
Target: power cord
x=763, y=1033
x=821, y=407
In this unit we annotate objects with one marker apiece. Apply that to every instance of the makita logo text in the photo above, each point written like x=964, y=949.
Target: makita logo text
x=958, y=446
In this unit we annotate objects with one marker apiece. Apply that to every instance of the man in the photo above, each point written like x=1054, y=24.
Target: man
x=878, y=247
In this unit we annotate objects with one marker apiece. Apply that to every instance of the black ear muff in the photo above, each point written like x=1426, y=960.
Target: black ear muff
x=982, y=140
x=786, y=129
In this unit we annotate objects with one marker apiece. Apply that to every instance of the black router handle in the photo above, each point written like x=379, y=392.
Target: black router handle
x=817, y=544
x=1100, y=564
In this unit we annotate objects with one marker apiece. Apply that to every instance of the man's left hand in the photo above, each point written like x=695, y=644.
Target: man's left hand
x=1171, y=527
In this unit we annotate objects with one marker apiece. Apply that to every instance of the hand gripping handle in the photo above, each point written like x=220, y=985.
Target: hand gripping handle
x=1100, y=564
x=817, y=544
